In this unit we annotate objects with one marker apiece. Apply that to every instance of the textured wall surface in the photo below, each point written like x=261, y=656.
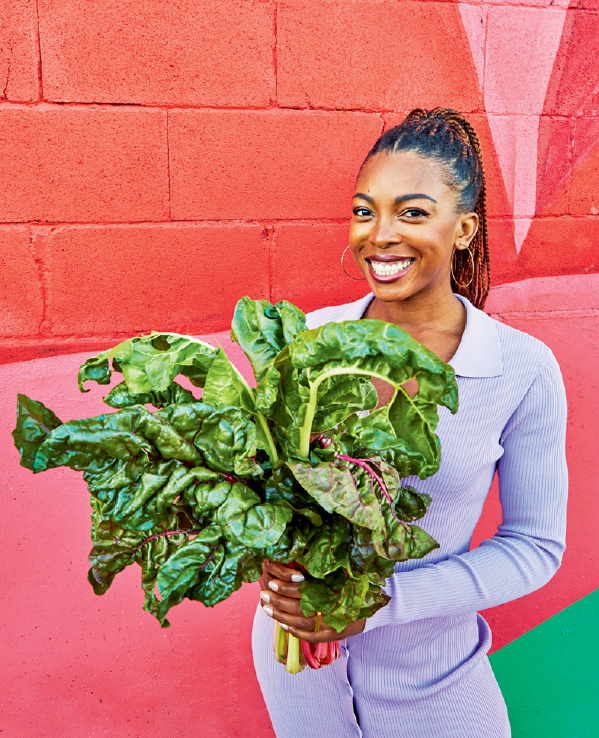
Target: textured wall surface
x=155, y=152
x=160, y=159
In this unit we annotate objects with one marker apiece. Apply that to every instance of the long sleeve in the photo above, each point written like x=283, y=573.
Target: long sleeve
x=526, y=551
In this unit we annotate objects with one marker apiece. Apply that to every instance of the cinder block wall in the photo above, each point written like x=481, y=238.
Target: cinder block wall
x=159, y=159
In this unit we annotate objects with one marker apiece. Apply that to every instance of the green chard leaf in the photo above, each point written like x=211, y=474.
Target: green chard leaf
x=121, y=397
x=196, y=558
x=343, y=489
x=328, y=550
x=35, y=423
x=372, y=348
x=263, y=330
x=199, y=493
x=151, y=363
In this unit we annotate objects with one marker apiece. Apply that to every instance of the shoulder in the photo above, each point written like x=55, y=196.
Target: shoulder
x=522, y=352
x=338, y=313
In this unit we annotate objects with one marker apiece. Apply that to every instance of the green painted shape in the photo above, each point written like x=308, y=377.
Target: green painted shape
x=550, y=676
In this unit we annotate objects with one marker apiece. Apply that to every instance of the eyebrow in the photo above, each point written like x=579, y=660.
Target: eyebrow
x=398, y=200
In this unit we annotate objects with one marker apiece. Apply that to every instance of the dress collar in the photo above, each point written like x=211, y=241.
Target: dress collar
x=479, y=352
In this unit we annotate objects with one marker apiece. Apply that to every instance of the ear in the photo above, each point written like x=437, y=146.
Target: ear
x=466, y=230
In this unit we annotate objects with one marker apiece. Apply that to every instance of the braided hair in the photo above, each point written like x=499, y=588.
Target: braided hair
x=447, y=138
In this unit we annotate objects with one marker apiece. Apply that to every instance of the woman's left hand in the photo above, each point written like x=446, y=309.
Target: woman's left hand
x=280, y=600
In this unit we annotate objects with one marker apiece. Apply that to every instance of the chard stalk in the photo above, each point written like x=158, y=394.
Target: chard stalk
x=306, y=427
x=272, y=449
x=294, y=664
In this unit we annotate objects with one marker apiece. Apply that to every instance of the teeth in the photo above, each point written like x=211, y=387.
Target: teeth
x=385, y=269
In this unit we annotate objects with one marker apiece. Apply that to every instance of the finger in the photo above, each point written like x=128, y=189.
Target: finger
x=288, y=620
x=284, y=573
x=285, y=604
x=287, y=589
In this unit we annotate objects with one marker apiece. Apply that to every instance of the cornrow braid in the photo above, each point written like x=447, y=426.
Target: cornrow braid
x=449, y=139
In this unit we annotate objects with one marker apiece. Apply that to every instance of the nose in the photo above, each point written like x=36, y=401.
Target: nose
x=384, y=233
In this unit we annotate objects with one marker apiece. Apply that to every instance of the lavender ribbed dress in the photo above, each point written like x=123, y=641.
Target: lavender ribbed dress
x=420, y=668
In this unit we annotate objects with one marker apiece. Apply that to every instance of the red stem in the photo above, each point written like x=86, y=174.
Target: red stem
x=166, y=533
x=374, y=475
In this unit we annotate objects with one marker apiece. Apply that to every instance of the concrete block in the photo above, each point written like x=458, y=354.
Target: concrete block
x=522, y=43
x=271, y=164
x=21, y=296
x=554, y=165
x=374, y=55
x=121, y=280
x=584, y=195
x=574, y=85
x=18, y=51
x=83, y=164
x=505, y=264
x=558, y=246
x=173, y=52
x=306, y=266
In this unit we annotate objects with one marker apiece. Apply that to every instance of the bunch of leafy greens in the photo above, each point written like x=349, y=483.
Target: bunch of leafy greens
x=200, y=491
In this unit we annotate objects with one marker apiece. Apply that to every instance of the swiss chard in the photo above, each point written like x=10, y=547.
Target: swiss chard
x=301, y=469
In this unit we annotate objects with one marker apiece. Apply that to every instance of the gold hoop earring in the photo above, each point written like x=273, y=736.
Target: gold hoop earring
x=463, y=286
x=356, y=279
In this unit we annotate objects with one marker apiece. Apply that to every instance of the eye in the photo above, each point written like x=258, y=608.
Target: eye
x=361, y=212
x=414, y=213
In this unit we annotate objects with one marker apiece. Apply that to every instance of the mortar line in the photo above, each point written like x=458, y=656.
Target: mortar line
x=40, y=81
x=275, y=51
x=168, y=167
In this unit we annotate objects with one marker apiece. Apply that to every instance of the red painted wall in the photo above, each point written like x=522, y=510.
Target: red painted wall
x=160, y=159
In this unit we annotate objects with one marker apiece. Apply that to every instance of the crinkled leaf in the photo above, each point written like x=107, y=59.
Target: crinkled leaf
x=411, y=505
x=113, y=550
x=328, y=550
x=184, y=569
x=263, y=330
x=371, y=348
x=137, y=493
x=226, y=436
x=245, y=521
x=339, y=488
x=151, y=363
x=222, y=575
x=35, y=422
x=340, y=599
x=121, y=397
x=225, y=386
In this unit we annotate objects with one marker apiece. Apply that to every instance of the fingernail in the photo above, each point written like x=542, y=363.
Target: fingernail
x=297, y=577
x=264, y=596
x=268, y=610
x=282, y=625
x=274, y=586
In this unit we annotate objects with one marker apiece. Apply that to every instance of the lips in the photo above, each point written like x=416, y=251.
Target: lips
x=389, y=268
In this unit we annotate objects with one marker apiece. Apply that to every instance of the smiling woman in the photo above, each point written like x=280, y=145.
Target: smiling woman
x=418, y=667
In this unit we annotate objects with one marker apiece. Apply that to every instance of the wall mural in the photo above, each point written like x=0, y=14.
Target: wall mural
x=149, y=151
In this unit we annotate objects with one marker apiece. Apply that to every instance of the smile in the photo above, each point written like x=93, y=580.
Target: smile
x=386, y=271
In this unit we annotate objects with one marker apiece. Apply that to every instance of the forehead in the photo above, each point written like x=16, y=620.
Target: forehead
x=392, y=175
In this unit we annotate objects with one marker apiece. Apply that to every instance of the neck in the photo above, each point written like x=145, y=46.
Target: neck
x=420, y=314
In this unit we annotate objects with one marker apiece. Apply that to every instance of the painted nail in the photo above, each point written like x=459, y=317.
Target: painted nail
x=264, y=596
x=268, y=610
x=285, y=627
x=297, y=577
x=274, y=586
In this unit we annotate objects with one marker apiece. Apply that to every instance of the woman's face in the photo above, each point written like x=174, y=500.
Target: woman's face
x=405, y=226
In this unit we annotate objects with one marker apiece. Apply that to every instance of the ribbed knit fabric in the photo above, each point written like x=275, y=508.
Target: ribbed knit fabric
x=420, y=669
